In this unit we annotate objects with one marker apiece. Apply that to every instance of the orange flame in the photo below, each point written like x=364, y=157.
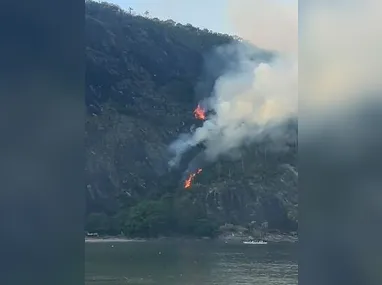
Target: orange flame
x=200, y=113
x=188, y=182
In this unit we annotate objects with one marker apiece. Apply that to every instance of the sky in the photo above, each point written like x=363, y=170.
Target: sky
x=210, y=14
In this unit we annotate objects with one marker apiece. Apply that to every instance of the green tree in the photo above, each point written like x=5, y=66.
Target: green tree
x=148, y=219
x=98, y=223
x=205, y=228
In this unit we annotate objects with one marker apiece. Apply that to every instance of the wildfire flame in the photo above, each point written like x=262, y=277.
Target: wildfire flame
x=200, y=113
x=188, y=182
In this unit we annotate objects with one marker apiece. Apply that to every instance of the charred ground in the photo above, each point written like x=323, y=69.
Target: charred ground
x=144, y=78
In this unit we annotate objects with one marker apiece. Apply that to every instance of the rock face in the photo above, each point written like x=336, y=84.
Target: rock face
x=144, y=78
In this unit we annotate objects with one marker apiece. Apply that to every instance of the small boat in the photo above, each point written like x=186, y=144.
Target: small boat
x=255, y=242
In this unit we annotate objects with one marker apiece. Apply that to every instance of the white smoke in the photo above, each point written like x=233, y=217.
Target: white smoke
x=248, y=102
x=340, y=45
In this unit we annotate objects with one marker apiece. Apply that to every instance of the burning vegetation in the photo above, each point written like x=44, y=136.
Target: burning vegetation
x=190, y=179
x=200, y=113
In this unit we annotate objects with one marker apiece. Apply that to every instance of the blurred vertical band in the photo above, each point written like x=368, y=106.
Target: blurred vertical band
x=41, y=143
x=340, y=140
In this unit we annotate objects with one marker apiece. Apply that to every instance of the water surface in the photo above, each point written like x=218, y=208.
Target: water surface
x=190, y=263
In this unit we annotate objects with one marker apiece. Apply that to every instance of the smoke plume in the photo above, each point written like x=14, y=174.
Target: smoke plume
x=253, y=97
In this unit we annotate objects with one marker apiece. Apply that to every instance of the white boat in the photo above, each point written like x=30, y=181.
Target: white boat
x=255, y=242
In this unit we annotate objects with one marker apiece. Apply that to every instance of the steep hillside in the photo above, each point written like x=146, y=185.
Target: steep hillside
x=144, y=78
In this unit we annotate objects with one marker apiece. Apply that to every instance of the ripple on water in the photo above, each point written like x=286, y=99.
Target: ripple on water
x=189, y=264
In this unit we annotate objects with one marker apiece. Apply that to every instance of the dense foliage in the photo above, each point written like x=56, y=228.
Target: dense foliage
x=141, y=79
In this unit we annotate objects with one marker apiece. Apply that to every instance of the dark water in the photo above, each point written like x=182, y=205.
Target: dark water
x=190, y=263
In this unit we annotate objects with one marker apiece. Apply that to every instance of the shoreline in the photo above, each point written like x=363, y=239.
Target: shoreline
x=112, y=239
x=272, y=238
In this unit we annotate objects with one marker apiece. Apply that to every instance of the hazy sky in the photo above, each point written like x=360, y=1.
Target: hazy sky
x=210, y=14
